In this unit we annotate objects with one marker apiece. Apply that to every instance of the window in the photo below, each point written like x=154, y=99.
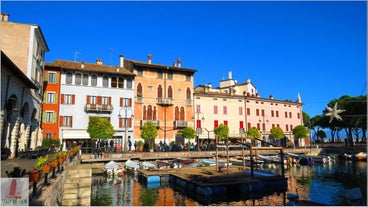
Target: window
x=169, y=75
x=105, y=81
x=77, y=79
x=257, y=112
x=92, y=100
x=286, y=114
x=249, y=126
x=114, y=82
x=51, y=78
x=49, y=117
x=263, y=112
x=198, y=108
x=215, y=109
x=258, y=126
x=287, y=127
x=225, y=109
x=67, y=98
x=85, y=79
x=277, y=113
x=129, y=83
x=159, y=74
x=188, y=77
x=121, y=83
x=290, y=115
x=125, y=102
x=215, y=123
x=139, y=72
x=241, y=124
x=105, y=100
x=298, y=115
x=69, y=78
x=248, y=111
x=225, y=122
x=272, y=113
x=48, y=135
x=51, y=98
x=240, y=110
x=67, y=121
x=94, y=80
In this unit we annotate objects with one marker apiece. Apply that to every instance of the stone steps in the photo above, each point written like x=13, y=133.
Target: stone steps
x=77, y=187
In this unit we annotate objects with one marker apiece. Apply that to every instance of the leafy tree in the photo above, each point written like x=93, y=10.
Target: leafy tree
x=188, y=133
x=100, y=128
x=300, y=132
x=222, y=132
x=149, y=133
x=321, y=134
x=306, y=120
x=254, y=133
x=277, y=133
x=47, y=142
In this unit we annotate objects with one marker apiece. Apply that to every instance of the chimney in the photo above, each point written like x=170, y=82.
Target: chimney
x=99, y=62
x=271, y=97
x=82, y=65
x=174, y=64
x=149, y=58
x=4, y=17
x=230, y=75
x=179, y=62
x=121, y=61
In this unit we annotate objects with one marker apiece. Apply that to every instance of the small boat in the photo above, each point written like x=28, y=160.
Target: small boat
x=184, y=162
x=164, y=164
x=131, y=166
x=361, y=156
x=148, y=165
x=207, y=162
x=270, y=158
x=113, y=168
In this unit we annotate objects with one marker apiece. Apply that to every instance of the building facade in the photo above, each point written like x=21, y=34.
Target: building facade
x=25, y=46
x=164, y=97
x=88, y=90
x=240, y=107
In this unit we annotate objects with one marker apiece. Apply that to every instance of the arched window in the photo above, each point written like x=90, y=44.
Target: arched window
x=159, y=91
x=114, y=82
x=177, y=117
x=69, y=78
x=154, y=114
x=77, y=79
x=139, y=90
x=85, y=79
x=182, y=114
x=189, y=95
x=144, y=113
x=94, y=80
x=129, y=83
x=149, y=112
x=121, y=83
x=170, y=92
x=105, y=81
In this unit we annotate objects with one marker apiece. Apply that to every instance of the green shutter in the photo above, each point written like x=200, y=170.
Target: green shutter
x=45, y=97
x=54, y=117
x=47, y=76
x=56, y=78
x=56, y=98
x=44, y=117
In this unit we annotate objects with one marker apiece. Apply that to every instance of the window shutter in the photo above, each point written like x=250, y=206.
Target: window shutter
x=61, y=121
x=62, y=99
x=99, y=99
x=56, y=98
x=121, y=102
x=130, y=102
x=54, y=117
x=47, y=76
x=120, y=123
x=87, y=101
x=109, y=100
x=130, y=122
x=56, y=78
x=44, y=117
x=71, y=121
x=45, y=97
x=73, y=99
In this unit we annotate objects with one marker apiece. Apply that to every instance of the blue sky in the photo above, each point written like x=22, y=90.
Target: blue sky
x=317, y=49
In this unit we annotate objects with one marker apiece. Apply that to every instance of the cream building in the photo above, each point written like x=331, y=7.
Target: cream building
x=240, y=107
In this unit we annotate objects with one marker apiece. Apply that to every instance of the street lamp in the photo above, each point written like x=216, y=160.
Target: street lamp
x=126, y=125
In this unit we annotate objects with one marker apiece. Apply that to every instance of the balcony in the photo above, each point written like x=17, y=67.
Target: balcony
x=139, y=99
x=155, y=122
x=180, y=124
x=98, y=108
x=165, y=101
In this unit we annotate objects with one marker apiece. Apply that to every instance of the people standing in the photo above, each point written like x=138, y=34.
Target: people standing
x=130, y=145
x=135, y=145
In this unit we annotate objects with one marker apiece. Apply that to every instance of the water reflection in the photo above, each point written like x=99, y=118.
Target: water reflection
x=319, y=183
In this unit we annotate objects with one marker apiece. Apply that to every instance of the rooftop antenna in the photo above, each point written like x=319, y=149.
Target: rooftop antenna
x=76, y=53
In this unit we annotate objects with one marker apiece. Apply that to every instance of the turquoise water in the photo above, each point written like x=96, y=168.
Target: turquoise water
x=324, y=184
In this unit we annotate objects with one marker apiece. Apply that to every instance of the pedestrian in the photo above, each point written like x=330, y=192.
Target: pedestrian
x=130, y=145
x=135, y=145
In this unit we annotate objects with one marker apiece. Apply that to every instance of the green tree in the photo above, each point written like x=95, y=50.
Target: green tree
x=253, y=133
x=100, y=128
x=149, y=133
x=188, y=133
x=300, y=132
x=321, y=134
x=277, y=133
x=222, y=132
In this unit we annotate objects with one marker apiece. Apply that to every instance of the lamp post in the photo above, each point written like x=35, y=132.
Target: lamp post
x=126, y=125
x=263, y=121
x=198, y=127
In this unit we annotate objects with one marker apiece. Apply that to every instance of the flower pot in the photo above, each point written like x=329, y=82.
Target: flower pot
x=140, y=148
x=46, y=168
x=61, y=160
x=34, y=176
x=54, y=163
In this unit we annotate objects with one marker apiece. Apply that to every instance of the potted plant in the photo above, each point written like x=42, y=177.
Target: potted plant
x=54, y=160
x=140, y=145
x=61, y=156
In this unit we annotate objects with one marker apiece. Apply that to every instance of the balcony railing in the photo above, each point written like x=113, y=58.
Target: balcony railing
x=98, y=108
x=139, y=99
x=165, y=101
x=188, y=102
x=180, y=124
x=155, y=122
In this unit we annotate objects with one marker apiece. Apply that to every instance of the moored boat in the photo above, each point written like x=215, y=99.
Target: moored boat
x=361, y=156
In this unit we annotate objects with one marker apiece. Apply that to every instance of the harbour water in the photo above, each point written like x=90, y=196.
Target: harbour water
x=324, y=184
